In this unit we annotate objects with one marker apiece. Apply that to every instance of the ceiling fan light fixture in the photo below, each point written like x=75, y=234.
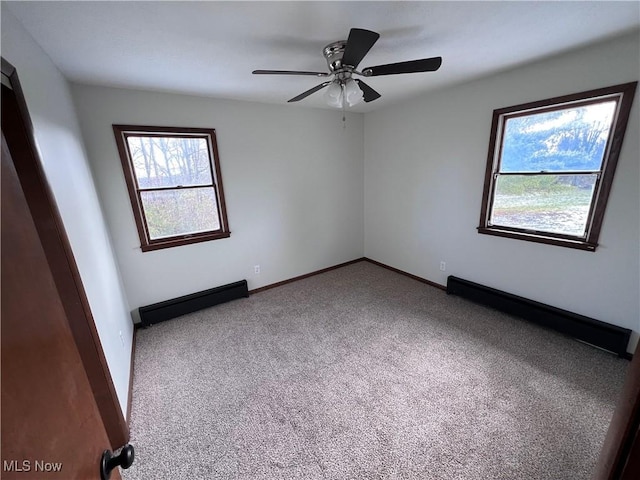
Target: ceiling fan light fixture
x=352, y=93
x=334, y=94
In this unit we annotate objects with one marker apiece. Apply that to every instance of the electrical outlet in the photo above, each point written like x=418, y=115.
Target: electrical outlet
x=256, y=269
x=443, y=266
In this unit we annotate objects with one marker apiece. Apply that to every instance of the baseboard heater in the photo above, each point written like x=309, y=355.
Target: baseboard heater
x=601, y=334
x=159, y=312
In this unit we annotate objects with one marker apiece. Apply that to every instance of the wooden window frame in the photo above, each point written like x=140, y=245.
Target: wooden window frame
x=122, y=132
x=623, y=95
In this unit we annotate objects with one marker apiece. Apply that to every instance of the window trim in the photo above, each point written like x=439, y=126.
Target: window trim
x=623, y=94
x=121, y=133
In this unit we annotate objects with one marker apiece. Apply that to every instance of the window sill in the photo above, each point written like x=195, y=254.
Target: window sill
x=539, y=238
x=179, y=241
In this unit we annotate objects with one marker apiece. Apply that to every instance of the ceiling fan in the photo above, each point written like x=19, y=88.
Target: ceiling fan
x=343, y=58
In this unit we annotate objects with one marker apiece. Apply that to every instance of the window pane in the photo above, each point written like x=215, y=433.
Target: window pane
x=170, y=161
x=180, y=212
x=548, y=203
x=561, y=140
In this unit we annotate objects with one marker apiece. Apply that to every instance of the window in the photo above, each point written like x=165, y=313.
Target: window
x=551, y=164
x=174, y=182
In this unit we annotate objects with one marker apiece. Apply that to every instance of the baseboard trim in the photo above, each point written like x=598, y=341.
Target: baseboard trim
x=306, y=275
x=131, y=370
x=340, y=265
x=406, y=274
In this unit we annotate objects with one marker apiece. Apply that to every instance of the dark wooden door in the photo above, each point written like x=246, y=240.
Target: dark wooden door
x=53, y=408
x=19, y=135
x=51, y=426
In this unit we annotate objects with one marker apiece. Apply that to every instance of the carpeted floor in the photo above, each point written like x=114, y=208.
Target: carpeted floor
x=361, y=373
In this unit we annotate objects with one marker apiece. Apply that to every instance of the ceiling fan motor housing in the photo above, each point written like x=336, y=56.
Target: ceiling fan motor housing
x=333, y=54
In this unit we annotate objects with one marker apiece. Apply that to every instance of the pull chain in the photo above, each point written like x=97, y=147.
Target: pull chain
x=344, y=115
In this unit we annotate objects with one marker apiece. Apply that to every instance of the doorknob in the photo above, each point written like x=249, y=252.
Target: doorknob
x=110, y=461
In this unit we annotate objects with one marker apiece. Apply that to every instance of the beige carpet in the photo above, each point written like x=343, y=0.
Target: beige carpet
x=361, y=373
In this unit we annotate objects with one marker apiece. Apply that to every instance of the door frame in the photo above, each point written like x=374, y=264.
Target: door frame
x=620, y=455
x=41, y=201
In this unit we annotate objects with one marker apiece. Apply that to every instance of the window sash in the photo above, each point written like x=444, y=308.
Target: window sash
x=547, y=172
x=206, y=138
x=589, y=217
x=182, y=235
x=545, y=233
x=177, y=187
x=505, y=117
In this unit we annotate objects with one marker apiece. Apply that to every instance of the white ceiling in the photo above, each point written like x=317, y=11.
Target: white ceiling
x=210, y=48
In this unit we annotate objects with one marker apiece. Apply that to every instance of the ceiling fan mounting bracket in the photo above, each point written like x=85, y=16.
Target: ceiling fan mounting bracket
x=333, y=54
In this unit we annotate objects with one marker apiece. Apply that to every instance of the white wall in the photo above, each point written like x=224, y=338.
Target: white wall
x=293, y=182
x=67, y=170
x=424, y=173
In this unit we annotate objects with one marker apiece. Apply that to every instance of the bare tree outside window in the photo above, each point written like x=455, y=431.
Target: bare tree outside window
x=174, y=184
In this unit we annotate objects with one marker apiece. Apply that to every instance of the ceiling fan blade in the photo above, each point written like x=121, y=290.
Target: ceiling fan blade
x=369, y=93
x=359, y=43
x=290, y=72
x=309, y=92
x=412, y=66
